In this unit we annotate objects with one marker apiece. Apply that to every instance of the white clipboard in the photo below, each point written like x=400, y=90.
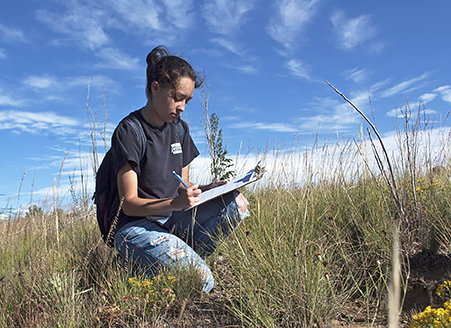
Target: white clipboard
x=253, y=175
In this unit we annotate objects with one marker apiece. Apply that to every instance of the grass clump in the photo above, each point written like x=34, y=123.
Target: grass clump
x=81, y=282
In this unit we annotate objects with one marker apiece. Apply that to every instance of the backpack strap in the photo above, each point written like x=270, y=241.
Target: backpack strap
x=180, y=131
x=136, y=125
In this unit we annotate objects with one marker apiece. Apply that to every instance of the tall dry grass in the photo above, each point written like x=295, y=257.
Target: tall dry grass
x=316, y=250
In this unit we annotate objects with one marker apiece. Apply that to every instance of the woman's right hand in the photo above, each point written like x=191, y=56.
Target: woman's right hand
x=187, y=197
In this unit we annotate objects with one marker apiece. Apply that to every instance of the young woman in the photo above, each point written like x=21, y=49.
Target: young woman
x=152, y=230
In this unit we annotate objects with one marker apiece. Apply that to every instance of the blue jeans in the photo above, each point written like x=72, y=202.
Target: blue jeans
x=185, y=239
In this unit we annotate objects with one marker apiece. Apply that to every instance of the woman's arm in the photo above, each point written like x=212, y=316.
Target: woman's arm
x=185, y=177
x=127, y=182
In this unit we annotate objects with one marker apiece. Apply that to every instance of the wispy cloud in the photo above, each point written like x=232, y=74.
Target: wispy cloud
x=228, y=45
x=339, y=119
x=352, y=32
x=37, y=123
x=60, y=88
x=290, y=19
x=89, y=23
x=225, y=17
x=180, y=13
x=427, y=97
x=46, y=82
x=297, y=68
x=7, y=100
x=2, y=54
x=404, y=86
x=411, y=110
x=41, y=82
x=357, y=75
x=332, y=114
x=81, y=24
x=115, y=59
x=11, y=35
x=445, y=92
x=160, y=16
x=247, y=69
x=273, y=127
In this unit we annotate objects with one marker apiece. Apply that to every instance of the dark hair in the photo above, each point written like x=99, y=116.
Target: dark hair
x=167, y=69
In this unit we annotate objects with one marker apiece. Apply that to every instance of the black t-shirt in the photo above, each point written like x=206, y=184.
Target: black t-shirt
x=163, y=154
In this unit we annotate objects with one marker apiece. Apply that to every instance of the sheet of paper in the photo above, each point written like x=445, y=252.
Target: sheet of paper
x=253, y=175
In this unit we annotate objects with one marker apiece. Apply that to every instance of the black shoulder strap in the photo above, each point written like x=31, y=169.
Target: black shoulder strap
x=180, y=130
x=136, y=125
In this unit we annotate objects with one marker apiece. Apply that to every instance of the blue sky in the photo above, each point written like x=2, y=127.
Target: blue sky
x=265, y=63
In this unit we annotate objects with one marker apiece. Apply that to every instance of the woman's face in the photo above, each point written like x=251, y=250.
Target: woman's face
x=169, y=102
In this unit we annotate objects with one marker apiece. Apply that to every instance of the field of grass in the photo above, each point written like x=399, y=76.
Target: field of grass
x=317, y=253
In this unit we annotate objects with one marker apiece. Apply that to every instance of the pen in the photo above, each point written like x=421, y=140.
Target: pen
x=180, y=179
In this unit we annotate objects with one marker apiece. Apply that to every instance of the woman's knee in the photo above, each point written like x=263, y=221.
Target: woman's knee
x=242, y=204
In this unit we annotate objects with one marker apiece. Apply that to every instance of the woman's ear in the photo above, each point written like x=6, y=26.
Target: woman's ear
x=155, y=87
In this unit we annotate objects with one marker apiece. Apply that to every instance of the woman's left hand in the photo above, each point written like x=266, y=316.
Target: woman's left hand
x=214, y=184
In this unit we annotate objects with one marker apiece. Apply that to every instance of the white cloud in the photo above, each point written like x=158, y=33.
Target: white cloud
x=427, y=97
x=356, y=75
x=7, y=100
x=141, y=14
x=442, y=88
x=31, y=122
x=180, y=13
x=226, y=16
x=9, y=35
x=290, y=19
x=248, y=69
x=41, y=82
x=296, y=67
x=162, y=16
x=445, y=92
x=273, y=127
x=339, y=119
x=352, y=32
x=229, y=45
x=47, y=82
x=113, y=58
x=2, y=54
x=411, y=110
x=89, y=24
x=395, y=112
x=80, y=23
x=404, y=86
x=334, y=114
x=316, y=162
x=61, y=88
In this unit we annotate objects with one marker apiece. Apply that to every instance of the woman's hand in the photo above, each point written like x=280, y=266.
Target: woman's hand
x=187, y=197
x=214, y=184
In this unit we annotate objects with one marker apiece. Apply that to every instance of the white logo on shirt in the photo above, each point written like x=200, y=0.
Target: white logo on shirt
x=176, y=148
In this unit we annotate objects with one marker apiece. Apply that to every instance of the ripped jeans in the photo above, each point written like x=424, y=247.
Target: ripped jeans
x=186, y=238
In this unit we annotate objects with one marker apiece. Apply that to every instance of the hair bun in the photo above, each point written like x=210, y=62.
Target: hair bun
x=156, y=54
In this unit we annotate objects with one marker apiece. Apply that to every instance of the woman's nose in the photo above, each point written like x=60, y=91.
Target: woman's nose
x=181, y=106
